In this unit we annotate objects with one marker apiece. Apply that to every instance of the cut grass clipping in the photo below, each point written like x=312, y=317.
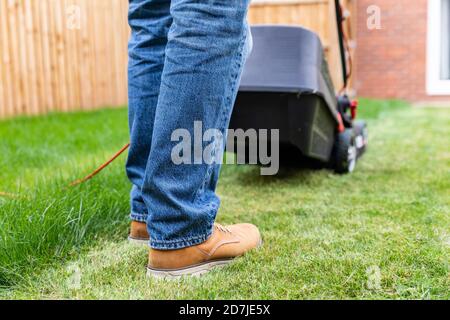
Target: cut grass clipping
x=382, y=232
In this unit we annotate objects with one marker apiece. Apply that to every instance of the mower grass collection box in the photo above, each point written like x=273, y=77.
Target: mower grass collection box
x=286, y=85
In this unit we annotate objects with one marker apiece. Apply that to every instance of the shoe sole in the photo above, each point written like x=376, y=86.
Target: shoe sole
x=138, y=242
x=194, y=271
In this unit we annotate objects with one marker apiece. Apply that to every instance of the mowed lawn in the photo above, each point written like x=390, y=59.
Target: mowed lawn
x=382, y=232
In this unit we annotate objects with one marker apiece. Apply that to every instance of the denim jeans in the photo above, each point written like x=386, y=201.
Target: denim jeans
x=185, y=63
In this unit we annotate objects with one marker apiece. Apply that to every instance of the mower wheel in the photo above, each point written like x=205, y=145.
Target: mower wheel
x=361, y=136
x=345, y=152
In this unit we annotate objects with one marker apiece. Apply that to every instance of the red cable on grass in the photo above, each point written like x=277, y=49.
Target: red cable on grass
x=80, y=181
x=99, y=169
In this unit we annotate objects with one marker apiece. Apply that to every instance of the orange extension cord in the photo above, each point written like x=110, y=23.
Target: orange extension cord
x=100, y=169
x=79, y=181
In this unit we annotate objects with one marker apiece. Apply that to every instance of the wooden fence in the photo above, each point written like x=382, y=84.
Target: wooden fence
x=71, y=54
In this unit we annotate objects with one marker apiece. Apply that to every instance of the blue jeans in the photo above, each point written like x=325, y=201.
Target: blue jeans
x=185, y=63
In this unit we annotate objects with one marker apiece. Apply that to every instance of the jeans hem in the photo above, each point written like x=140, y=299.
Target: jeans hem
x=139, y=217
x=182, y=243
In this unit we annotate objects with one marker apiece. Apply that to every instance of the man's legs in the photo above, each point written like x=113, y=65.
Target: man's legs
x=150, y=21
x=205, y=53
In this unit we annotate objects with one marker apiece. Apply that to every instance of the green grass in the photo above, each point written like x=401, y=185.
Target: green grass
x=326, y=236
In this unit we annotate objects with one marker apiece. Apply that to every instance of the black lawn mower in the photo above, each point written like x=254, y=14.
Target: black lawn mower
x=286, y=85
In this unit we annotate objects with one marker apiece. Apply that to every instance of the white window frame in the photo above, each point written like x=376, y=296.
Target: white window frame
x=435, y=85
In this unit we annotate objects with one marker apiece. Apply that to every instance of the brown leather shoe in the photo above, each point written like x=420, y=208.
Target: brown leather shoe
x=138, y=233
x=225, y=244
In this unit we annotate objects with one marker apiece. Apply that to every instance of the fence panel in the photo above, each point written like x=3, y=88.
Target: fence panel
x=62, y=55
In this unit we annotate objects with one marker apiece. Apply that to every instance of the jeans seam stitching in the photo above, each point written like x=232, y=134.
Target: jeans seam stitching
x=233, y=79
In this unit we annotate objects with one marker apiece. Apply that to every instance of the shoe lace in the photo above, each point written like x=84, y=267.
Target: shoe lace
x=222, y=228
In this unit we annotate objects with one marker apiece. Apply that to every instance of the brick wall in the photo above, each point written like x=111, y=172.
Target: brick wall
x=391, y=62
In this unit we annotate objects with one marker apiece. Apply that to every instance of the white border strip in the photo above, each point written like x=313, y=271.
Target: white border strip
x=435, y=86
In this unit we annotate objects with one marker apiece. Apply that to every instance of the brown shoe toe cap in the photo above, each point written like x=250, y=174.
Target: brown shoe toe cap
x=248, y=233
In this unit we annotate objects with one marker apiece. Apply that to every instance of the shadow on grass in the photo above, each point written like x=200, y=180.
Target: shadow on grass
x=286, y=175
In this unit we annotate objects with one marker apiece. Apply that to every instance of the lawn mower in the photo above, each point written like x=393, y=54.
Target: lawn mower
x=286, y=85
